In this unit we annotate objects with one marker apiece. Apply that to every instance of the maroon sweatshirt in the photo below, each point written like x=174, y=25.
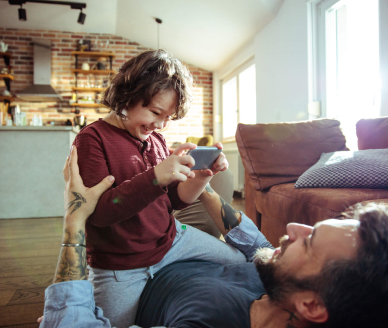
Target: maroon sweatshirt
x=132, y=226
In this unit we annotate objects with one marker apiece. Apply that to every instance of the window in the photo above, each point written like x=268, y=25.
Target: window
x=348, y=60
x=238, y=99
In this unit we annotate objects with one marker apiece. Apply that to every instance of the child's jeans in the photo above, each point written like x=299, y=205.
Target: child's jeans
x=118, y=292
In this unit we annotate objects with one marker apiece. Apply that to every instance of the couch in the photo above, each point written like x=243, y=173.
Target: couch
x=275, y=155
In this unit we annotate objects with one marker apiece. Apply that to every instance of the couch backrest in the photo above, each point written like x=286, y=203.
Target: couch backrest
x=280, y=152
x=372, y=133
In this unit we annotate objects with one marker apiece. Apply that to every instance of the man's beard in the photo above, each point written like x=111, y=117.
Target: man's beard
x=277, y=283
x=264, y=255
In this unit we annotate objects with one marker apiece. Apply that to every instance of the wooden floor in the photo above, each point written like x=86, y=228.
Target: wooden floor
x=29, y=251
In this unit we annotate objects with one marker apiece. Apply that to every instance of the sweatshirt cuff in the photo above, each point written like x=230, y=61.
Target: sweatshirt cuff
x=78, y=293
x=247, y=238
x=243, y=234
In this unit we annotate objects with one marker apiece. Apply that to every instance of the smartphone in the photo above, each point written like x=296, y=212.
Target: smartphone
x=204, y=157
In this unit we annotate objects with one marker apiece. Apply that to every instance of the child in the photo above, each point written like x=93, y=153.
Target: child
x=132, y=233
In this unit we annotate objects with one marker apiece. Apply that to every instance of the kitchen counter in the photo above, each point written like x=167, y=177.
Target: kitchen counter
x=38, y=128
x=31, y=163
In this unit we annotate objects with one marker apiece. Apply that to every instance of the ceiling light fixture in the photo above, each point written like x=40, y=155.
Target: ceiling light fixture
x=158, y=21
x=22, y=14
x=73, y=5
x=81, y=18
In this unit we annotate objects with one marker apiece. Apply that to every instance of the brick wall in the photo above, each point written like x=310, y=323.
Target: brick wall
x=198, y=122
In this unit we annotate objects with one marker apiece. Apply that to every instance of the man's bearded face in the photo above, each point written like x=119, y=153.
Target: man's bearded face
x=276, y=282
x=296, y=265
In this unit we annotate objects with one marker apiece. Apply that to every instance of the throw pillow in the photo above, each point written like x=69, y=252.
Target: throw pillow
x=348, y=169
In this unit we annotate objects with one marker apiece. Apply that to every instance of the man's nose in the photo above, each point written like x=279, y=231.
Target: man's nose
x=296, y=230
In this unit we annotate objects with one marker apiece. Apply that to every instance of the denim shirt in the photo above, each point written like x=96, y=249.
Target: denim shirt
x=71, y=303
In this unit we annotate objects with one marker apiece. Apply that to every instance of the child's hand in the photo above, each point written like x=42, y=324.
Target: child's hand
x=221, y=164
x=176, y=167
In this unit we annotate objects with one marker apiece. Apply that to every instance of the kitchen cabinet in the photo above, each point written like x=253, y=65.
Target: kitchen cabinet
x=32, y=159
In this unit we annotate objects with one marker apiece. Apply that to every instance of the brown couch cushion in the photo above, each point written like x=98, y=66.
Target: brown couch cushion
x=372, y=133
x=285, y=204
x=280, y=152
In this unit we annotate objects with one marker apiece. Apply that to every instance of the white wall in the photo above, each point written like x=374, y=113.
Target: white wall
x=280, y=52
x=384, y=56
x=282, y=66
x=99, y=15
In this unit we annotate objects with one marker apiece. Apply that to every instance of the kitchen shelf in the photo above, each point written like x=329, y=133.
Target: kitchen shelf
x=6, y=76
x=88, y=89
x=5, y=54
x=94, y=72
x=76, y=71
x=7, y=98
x=86, y=105
x=92, y=54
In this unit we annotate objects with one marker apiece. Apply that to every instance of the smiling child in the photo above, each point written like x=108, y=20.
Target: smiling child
x=132, y=233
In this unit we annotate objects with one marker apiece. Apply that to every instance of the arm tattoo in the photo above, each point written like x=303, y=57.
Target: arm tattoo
x=77, y=202
x=228, y=215
x=209, y=189
x=72, y=260
x=290, y=324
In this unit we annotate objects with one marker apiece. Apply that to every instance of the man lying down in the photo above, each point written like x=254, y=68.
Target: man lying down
x=331, y=275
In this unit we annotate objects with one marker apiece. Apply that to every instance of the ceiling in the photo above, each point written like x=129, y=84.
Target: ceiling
x=205, y=33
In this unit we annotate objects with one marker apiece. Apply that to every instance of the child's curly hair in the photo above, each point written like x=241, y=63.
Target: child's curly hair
x=142, y=77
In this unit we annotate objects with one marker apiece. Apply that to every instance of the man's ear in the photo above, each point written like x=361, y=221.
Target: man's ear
x=310, y=306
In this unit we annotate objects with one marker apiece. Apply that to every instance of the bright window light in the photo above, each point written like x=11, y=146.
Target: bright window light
x=352, y=64
x=239, y=100
x=229, y=108
x=247, y=95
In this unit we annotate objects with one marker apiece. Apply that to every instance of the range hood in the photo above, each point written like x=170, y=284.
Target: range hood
x=41, y=90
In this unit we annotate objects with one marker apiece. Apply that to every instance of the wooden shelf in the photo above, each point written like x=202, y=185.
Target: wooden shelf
x=6, y=76
x=94, y=72
x=86, y=105
x=7, y=98
x=88, y=89
x=5, y=54
x=92, y=54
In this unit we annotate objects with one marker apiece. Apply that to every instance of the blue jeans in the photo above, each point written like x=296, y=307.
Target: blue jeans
x=118, y=292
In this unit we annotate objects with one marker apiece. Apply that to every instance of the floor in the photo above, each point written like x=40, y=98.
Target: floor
x=29, y=251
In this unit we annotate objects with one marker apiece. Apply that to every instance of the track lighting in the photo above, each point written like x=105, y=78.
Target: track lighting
x=81, y=18
x=73, y=5
x=22, y=14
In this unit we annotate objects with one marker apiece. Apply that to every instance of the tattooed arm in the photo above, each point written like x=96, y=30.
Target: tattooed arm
x=222, y=213
x=80, y=202
x=72, y=260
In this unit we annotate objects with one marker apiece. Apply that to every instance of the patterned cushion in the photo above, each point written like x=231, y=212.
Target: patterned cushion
x=348, y=169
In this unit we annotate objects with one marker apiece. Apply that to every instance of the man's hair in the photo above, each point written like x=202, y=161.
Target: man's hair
x=355, y=291
x=142, y=77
